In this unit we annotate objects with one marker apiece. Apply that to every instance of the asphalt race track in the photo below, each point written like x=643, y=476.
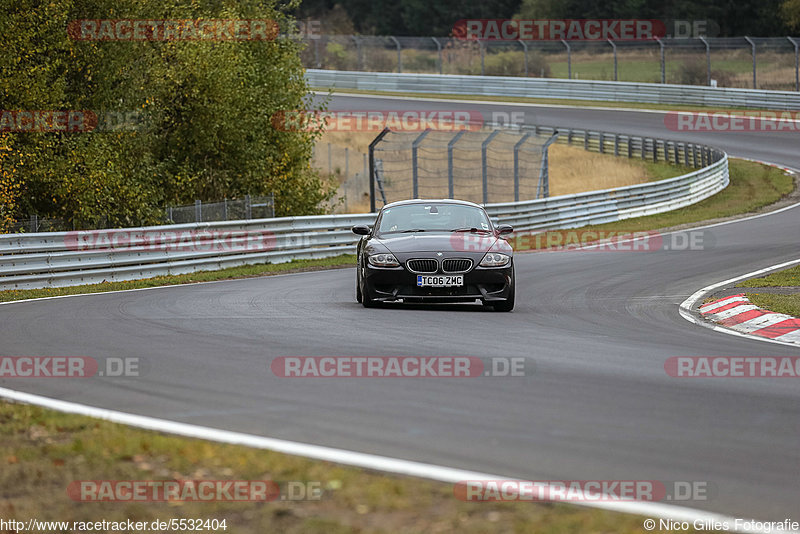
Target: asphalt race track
x=595, y=328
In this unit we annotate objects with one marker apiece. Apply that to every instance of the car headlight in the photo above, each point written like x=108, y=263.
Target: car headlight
x=383, y=260
x=495, y=259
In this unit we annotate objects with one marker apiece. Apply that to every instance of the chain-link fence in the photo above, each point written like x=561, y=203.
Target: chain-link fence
x=257, y=207
x=349, y=168
x=771, y=63
x=489, y=165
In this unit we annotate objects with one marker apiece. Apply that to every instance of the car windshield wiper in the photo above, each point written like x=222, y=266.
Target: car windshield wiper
x=412, y=231
x=473, y=229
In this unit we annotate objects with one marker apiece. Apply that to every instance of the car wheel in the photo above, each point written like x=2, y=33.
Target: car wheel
x=508, y=304
x=366, y=301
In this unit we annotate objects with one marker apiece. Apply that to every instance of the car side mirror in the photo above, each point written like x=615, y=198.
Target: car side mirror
x=504, y=229
x=361, y=229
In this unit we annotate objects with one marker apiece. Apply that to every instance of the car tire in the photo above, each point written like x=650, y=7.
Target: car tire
x=359, y=297
x=508, y=304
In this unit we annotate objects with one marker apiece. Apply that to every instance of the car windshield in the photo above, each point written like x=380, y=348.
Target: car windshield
x=433, y=217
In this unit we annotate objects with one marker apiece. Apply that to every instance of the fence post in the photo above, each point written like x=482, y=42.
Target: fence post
x=225, y=209
x=34, y=223
x=316, y=54
x=248, y=207
x=516, y=164
x=483, y=66
x=358, y=51
x=450, y=145
x=372, y=168
x=399, y=53
x=330, y=162
x=439, y=50
x=525, y=48
x=346, y=164
x=569, y=58
x=614, y=47
x=708, y=60
x=544, y=170
x=753, y=46
x=414, y=166
x=663, y=62
x=796, y=64
x=484, y=166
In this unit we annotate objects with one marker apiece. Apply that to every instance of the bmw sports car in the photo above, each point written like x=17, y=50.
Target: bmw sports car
x=435, y=251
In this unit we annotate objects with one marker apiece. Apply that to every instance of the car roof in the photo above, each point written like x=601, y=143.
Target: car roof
x=432, y=200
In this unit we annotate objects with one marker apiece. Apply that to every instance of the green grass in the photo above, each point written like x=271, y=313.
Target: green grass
x=42, y=451
x=788, y=304
x=785, y=278
x=245, y=271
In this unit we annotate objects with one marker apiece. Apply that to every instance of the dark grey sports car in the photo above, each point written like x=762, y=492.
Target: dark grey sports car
x=435, y=251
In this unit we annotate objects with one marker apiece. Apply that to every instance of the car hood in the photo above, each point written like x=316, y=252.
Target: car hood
x=451, y=243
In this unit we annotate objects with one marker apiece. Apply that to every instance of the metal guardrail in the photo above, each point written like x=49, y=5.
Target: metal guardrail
x=649, y=93
x=70, y=258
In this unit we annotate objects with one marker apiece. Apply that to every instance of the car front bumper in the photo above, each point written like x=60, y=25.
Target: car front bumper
x=487, y=285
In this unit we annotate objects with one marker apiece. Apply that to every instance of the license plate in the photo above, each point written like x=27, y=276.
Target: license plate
x=440, y=281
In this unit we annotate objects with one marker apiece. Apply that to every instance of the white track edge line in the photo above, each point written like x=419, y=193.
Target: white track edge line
x=686, y=307
x=352, y=458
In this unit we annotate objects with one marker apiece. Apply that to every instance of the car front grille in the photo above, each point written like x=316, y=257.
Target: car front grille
x=422, y=266
x=456, y=265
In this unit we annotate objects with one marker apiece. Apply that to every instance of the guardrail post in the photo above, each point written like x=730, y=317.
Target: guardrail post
x=675, y=153
x=753, y=46
x=569, y=136
x=655, y=151
x=414, y=166
x=708, y=60
x=372, y=146
x=450, y=145
x=663, y=61
x=399, y=53
x=613, y=46
x=516, y=164
x=484, y=166
x=630, y=147
x=586, y=140
x=600, y=143
x=644, y=148
x=686, y=154
x=796, y=64
x=439, y=51
x=198, y=211
x=569, y=58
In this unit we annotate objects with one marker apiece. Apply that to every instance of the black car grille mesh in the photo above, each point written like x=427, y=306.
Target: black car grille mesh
x=456, y=265
x=422, y=266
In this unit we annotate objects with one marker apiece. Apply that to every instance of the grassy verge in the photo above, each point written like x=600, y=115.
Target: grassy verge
x=43, y=451
x=533, y=100
x=788, y=304
x=786, y=278
x=245, y=271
